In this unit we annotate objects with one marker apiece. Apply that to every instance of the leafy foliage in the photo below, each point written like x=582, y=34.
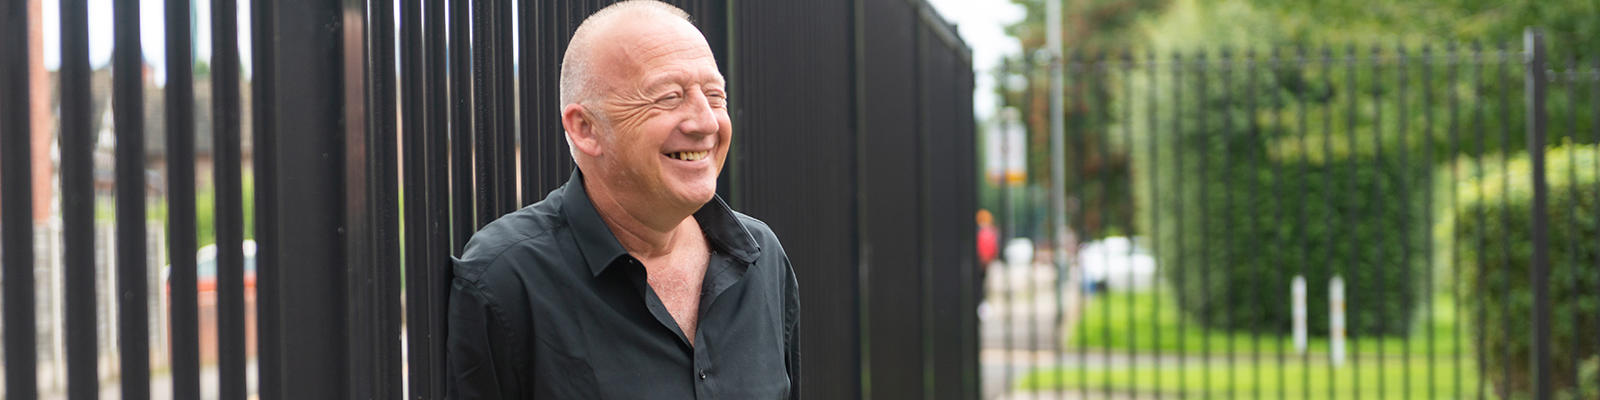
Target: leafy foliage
x=1493, y=227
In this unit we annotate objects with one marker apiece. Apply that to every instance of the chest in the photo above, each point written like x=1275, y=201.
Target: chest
x=677, y=280
x=678, y=285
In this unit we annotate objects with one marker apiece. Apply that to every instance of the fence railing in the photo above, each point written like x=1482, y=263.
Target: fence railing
x=363, y=142
x=1383, y=222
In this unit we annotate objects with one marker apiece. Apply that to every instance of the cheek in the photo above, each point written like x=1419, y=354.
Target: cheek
x=724, y=129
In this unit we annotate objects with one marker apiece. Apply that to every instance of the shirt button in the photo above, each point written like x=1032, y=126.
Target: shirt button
x=702, y=374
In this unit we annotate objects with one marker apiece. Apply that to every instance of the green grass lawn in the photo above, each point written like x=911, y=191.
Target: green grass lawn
x=1148, y=322
x=1294, y=380
x=1147, y=325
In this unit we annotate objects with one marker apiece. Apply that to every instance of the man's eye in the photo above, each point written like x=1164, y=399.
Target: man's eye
x=670, y=100
x=717, y=99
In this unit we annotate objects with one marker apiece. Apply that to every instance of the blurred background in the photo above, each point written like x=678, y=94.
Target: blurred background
x=997, y=199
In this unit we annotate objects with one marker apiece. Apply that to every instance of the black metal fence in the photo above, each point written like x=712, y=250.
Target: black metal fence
x=1383, y=222
x=365, y=170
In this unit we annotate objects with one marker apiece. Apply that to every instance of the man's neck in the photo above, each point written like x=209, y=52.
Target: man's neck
x=642, y=230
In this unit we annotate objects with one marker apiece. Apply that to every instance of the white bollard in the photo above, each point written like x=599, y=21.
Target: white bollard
x=1298, y=288
x=1336, y=331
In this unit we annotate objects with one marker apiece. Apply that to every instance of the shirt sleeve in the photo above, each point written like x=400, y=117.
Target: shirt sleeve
x=791, y=319
x=470, y=346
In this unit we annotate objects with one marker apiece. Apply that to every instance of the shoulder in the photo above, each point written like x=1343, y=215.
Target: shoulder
x=495, y=249
x=762, y=233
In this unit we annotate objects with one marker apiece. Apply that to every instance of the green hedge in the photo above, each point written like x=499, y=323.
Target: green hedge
x=1492, y=228
x=1231, y=263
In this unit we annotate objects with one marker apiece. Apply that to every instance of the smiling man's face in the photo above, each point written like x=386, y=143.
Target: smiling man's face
x=665, y=129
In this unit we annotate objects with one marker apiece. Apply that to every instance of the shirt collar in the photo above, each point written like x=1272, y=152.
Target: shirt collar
x=600, y=248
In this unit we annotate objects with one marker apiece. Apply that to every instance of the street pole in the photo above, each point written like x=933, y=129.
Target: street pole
x=1058, y=174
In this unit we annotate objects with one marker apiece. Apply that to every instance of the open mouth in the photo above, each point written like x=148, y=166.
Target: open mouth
x=688, y=155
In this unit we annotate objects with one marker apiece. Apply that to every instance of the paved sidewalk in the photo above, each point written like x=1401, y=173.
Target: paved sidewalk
x=1024, y=314
x=161, y=385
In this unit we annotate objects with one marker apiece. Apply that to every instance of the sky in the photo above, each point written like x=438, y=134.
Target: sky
x=152, y=19
x=980, y=22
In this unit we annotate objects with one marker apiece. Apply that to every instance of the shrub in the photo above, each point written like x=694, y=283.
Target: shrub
x=1231, y=263
x=1493, y=226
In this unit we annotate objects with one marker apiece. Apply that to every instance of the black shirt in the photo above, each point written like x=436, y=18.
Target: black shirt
x=547, y=304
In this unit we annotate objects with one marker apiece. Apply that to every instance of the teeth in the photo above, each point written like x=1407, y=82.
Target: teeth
x=689, y=155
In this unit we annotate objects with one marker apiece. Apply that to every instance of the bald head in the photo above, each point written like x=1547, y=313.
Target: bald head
x=645, y=110
x=580, y=77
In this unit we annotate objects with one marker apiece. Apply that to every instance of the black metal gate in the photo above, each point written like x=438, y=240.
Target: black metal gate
x=368, y=167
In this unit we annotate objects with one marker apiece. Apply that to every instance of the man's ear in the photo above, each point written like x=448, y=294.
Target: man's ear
x=582, y=132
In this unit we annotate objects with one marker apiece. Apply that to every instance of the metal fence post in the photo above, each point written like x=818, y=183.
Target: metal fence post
x=303, y=278
x=1533, y=41
x=132, y=229
x=16, y=234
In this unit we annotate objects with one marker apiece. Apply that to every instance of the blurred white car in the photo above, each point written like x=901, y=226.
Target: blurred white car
x=1116, y=263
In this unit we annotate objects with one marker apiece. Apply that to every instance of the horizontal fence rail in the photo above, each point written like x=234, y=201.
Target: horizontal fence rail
x=1335, y=222
x=276, y=217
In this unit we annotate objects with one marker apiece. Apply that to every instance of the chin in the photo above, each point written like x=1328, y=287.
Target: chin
x=696, y=193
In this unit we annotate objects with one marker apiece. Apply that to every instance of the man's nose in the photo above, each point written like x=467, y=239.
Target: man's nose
x=702, y=119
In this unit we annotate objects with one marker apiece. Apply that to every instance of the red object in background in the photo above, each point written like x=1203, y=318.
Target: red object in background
x=988, y=244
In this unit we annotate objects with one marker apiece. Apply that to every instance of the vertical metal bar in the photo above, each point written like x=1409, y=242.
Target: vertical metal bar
x=1452, y=60
x=419, y=102
x=373, y=312
x=556, y=165
x=1502, y=84
x=506, y=111
x=1354, y=92
x=1380, y=241
x=1127, y=136
x=1007, y=229
x=133, y=316
x=357, y=317
x=313, y=123
x=1099, y=113
x=1327, y=195
x=357, y=91
x=1569, y=84
x=1533, y=41
x=1427, y=200
x=1202, y=103
x=1178, y=150
x=1478, y=127
x=264, y=134
x=1058, y=187
x=1405, y=222
x=1594, y=125
x=484, y=99
x=16, y=204
x=531, y=87
x=427, y=377
x=1274, y=191
x=184, y=323
x=229, y=210
x=463, y=197
x=77, y=202
x=500, y=111
x=1074, y=154
x=1226, y=67
x=1306, y=169
x=1155, y=210
x=1251, y=288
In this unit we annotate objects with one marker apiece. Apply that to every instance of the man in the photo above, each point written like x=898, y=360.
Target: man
x=633, y=280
